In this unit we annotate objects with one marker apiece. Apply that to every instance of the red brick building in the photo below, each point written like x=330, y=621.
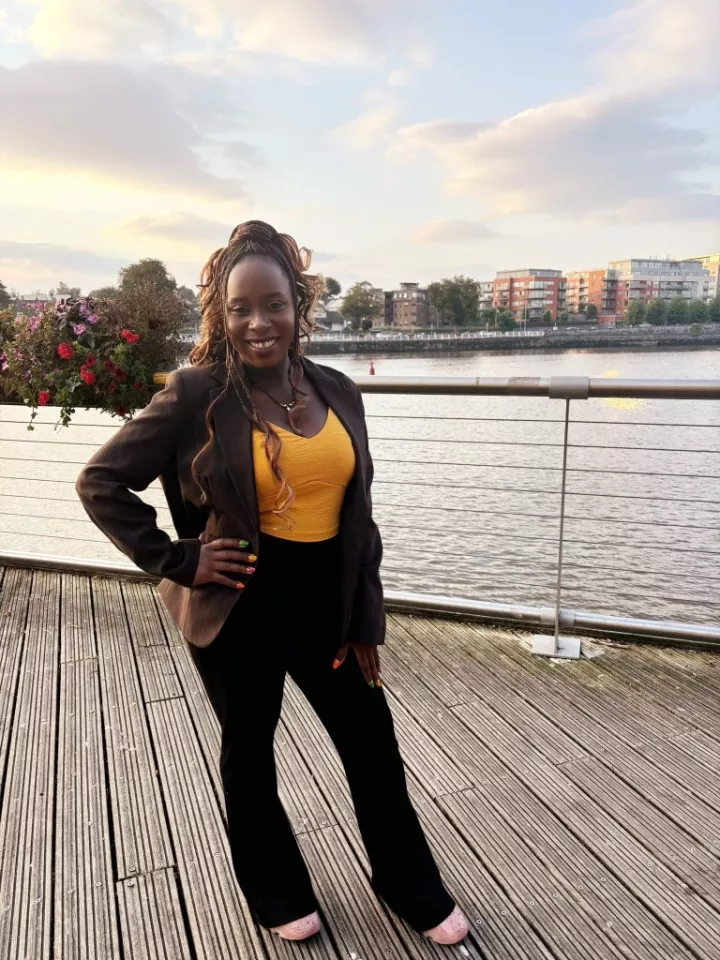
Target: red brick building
x=530, y=294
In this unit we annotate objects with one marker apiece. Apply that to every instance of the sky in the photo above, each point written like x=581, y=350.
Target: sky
x=400, y=140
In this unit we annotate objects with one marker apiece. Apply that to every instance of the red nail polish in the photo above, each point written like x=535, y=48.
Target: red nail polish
x=251, y=569
x=239, y=586
x=337, y=663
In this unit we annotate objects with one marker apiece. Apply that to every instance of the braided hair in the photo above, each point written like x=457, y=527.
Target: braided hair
x=254, y=238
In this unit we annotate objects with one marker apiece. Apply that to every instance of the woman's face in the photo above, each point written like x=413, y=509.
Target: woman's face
x=260, y=312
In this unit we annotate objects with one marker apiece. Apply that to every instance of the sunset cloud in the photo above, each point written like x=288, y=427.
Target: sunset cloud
x=105, y=120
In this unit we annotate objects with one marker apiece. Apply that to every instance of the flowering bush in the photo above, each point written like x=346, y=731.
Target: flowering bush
x=84, y=353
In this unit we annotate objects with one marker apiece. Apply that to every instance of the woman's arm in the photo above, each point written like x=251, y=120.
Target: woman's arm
x=136, y=455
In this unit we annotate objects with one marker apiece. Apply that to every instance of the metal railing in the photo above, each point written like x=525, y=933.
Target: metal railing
x=597, y=511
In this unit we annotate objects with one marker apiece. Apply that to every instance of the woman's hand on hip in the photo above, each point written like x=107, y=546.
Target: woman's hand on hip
x=221, y=561
x=368, y=657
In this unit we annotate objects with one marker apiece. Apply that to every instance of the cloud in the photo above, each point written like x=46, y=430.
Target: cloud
x=655, y=45
x=353, y=32
x=399, y=78
x=614, y=151
x=365, y=130
x=186, y=227
x=99, y=28
x=104, y=120
x=51, y=258
x=452, y=231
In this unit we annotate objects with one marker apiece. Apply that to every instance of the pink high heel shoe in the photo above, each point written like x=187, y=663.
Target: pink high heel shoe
x=301, y=929
x=452, y=930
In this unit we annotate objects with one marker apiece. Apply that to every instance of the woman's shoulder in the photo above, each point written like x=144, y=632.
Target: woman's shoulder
x=194, y=381
x=319, y=369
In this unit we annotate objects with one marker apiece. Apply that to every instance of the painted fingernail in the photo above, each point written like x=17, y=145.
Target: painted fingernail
x=244, y=543
x=372, y=684
x=239, y=586
x=337, y=663
x=252, y=558
x=251, y=569
x=378, y=683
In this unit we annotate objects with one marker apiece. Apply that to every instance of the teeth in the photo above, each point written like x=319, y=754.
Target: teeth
x=262, y=344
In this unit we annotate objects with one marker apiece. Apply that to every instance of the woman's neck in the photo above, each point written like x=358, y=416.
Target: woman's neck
x=269, y=377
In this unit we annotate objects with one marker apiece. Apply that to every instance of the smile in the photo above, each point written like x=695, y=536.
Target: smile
x=262, y=344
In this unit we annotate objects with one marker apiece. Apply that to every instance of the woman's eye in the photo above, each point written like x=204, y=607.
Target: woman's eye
x=239, y=311
x=277, y=305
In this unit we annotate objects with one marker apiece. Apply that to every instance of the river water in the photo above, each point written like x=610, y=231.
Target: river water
x=467, y=489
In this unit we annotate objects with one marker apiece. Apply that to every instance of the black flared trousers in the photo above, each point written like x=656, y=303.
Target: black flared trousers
x=288, y=622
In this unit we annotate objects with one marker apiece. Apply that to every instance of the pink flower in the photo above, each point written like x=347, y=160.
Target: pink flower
x=79, y=329
x=3, y=361
x=91, y=318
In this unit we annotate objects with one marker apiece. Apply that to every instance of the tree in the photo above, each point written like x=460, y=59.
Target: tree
x=505, y=320
x=564, y=317
x=677, y=311
x=636, y=313
x=547, y=317
x=656, y=312
x=4, y=296
x=187, y=294
x=713, y=310
x=456, y=299
x=331, y=291
x=148, y=273
x=362, y=302
x=64, y=292
x=592, y=311
x=697, y=311
x=367, y=324
x=104, y=293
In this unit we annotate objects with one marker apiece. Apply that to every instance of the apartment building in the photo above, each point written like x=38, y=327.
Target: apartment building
x=711, y=262
x=585, y=287
x=645, y=280
x=409, y=307
x=485, y=296
x=529, y=294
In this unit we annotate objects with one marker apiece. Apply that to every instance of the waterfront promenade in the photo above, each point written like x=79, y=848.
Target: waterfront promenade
x=575, y=807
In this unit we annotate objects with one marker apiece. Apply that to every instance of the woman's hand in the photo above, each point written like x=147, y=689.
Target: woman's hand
x=367, y=656
x=220, y=562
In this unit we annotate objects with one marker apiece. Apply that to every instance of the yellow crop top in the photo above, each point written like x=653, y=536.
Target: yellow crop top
x=318, y=470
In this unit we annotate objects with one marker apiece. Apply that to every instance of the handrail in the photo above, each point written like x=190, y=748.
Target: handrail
x=552, y=387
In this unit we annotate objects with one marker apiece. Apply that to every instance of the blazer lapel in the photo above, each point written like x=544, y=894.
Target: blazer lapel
x=233, y=432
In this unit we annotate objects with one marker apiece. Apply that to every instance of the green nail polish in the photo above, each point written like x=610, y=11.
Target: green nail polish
x=244, y=543
x=372, y=684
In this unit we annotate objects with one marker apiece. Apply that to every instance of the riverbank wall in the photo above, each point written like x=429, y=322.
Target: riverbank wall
x=707, y=336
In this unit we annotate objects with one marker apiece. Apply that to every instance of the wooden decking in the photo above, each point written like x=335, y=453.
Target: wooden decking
x=574, y=807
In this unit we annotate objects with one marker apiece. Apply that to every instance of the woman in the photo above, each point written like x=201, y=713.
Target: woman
x=264, y=461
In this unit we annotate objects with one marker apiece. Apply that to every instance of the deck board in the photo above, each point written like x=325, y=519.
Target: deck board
x=574, y=808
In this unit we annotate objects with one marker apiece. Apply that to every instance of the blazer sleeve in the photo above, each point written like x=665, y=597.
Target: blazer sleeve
x=367, y=622
x=140, y=451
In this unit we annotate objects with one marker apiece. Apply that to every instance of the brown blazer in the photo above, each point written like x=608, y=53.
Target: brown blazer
x=163, y=440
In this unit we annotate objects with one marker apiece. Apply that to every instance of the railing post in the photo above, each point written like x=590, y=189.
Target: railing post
x=567, y=389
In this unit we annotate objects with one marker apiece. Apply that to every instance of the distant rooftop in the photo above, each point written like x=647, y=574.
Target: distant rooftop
x=528, y=272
